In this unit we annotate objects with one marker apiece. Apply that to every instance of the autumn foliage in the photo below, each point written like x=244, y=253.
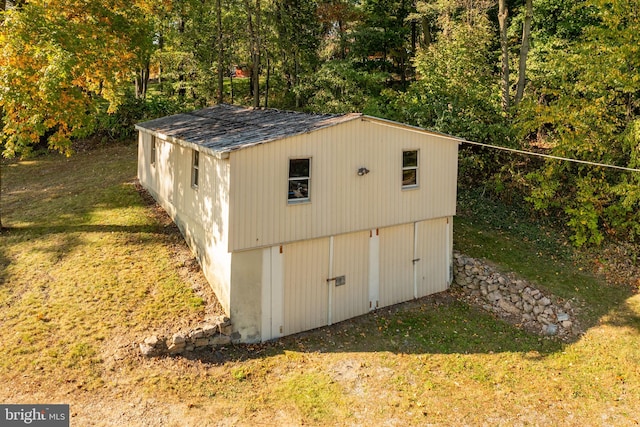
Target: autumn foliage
x=61, y=60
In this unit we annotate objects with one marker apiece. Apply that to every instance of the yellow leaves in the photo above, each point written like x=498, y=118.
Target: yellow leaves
x=57, y=58
x=49, y=123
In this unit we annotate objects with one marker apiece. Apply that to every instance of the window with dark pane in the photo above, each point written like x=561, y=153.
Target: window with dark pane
x=299, y=180
x=410, y=168
x=195, y=171
x=152, y=158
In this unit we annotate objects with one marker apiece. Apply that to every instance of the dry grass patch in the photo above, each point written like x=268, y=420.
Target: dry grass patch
x=85, y=262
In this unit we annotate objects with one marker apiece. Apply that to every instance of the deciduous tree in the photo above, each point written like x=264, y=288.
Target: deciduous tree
x=59, y=60
x=588, y=102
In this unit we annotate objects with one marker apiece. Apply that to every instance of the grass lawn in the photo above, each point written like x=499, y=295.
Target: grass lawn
x=88, y=269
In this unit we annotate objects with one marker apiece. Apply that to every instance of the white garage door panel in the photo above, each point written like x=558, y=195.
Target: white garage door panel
x=305, y=286
x=385, y=266
x=350, y=259
x=396, y=267
x=431, y=248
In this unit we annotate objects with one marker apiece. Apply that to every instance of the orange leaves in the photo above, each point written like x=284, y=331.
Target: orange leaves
x=58, y=59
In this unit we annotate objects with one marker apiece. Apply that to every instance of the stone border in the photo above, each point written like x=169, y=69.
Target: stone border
x=476, y=282
x=216, y=332
x=513, y=299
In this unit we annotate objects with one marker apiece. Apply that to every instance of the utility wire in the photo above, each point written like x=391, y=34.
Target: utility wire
x=549, y=156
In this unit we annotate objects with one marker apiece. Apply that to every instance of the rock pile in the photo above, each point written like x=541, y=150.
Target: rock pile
x=514, y=300
x=214, y=333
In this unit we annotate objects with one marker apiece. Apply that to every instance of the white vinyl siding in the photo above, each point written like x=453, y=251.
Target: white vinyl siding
x=433, y=253
x=342, y=201
x=306, y=291
x=274, y=264
x=396, y=267
x=412, y=261
x=202, y=215
x=351, y=260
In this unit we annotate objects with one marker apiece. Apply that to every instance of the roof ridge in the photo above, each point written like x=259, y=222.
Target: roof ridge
x=223, y=127
x=278, y=110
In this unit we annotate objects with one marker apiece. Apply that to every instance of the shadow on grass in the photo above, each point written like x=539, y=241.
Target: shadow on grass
x=4, y=262
x=41, y=231
x=538, y=250
x=625, y=315
x=593, y=297
x=437, y=324
x=442, y=324
x=59, y=241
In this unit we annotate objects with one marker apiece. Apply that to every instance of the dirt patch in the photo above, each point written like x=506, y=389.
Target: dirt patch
x=617, y=262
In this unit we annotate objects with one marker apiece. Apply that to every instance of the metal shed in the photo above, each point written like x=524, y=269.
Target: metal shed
x=303, y=220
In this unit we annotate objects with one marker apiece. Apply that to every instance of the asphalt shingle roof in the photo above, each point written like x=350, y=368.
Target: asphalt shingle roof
x=224, y=128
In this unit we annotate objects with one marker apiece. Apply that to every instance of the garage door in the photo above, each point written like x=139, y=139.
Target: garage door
x=306, y=294
x=323, y=281
x=431, y=257
x=396, y=267
x=414, y=260
x=350, y=295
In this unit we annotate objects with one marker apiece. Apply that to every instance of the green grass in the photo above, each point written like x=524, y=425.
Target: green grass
x=536, y=249
x=88, y=270
x=313, y=394
x=82, y=255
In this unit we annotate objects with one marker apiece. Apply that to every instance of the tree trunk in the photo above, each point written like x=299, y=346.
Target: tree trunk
x=182, y=89
x=503, y=12
x=255, y=50
x=343, y=44
x=296, y=72
x=426, y=33
x=142, y=80
x=414, y=37
x=220, y=92
x=256, y=58
x=147, y=76
x=524, y=51
x=139, y=83
x=160, y=49
x=231, y=86
x=266, y=86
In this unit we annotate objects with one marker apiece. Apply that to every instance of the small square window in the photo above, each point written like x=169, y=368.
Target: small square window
x=195, y=170
x=409, y=168
x=299, y=180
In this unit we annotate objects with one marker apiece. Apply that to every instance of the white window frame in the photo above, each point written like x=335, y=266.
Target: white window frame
x=154, y=151
x=290, y=179
x=195, y=169
x=415, y=168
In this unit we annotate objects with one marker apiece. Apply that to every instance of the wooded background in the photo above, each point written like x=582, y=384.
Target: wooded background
x=555, y=76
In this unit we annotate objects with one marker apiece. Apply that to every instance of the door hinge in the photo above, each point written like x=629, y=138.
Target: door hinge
x=415, y=260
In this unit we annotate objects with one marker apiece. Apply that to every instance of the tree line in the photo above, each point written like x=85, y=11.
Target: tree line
x=555, y=76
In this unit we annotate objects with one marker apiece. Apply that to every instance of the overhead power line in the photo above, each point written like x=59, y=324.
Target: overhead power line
x=549, y=156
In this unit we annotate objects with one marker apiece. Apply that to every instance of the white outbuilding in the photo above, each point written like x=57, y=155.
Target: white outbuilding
x=304, y=220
